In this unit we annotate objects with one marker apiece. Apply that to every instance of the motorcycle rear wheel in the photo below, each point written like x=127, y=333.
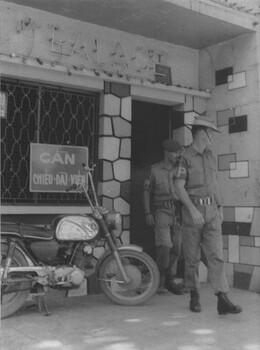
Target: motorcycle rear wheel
x=143, y=273
x=11, y=302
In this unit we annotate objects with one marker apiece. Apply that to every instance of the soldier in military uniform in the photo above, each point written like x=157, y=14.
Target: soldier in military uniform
x=202, y=215
x=161, y=212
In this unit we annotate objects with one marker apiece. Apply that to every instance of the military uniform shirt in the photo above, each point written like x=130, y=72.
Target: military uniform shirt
x=159, y=182
x=199, y=171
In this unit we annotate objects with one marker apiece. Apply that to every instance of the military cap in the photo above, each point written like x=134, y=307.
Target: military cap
x=202, y=121
x=171, y=145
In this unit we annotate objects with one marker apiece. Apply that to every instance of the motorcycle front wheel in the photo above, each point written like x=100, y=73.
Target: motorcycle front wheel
x=140, y=269
x=11, y=302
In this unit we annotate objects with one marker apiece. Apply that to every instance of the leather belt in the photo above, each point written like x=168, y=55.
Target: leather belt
x=202, y=201
x=165, y=204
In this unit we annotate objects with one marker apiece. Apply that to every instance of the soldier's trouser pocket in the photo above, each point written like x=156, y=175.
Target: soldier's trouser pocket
x=162, y=228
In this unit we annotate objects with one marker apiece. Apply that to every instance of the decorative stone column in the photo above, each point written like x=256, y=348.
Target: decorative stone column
x=115, y=153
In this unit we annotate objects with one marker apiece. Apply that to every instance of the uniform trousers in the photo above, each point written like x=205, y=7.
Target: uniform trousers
x=167, y=240
x=209, y=238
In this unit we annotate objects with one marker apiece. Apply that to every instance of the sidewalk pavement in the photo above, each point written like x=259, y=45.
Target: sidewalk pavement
x=163, y=323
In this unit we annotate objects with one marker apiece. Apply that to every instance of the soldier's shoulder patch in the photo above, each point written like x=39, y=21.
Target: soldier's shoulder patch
x=180, y=172
x=180, y=167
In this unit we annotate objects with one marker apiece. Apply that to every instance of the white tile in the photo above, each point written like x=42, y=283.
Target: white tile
x=121, y=206
x=122, y=128
x=230, y=78
x=111, y=105
x=108, y=148
x=238, y=169
x=110, y=188
x=125, y=151
x=122, y=169
x=255, y=280
x=182, y=135
x=244, y=214
x=239, y=80
x=223, y=116
x=188, y=105
x=255, y=223
x=257, y=241
x=233, y=249
x=250, y=255
x=199, y=104
x=126, y=108
x=125, y=237
x=105, y=126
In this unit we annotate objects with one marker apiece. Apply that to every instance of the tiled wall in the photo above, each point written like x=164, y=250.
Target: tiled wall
x=242, y=251
x=115, y=153
x=242, y=246
x=229, y=71
x=241, y=229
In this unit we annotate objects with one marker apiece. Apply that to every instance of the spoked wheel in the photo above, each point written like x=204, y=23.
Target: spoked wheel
x=11, y=302
x=142, y=272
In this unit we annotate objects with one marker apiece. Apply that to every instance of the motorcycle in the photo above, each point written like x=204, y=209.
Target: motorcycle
x=35, y=258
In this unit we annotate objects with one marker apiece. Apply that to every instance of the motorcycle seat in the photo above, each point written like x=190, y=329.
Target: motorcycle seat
x=41, y=232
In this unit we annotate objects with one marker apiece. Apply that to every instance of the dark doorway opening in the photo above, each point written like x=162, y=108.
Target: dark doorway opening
x=151, y=124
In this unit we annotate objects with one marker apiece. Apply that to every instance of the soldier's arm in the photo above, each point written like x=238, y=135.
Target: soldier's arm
x=218, y=200
x=217, y=195
x=179, y=183
x=185, y=199
x=147, y=199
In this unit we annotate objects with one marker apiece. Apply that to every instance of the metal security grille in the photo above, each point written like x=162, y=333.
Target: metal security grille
x=42, y=114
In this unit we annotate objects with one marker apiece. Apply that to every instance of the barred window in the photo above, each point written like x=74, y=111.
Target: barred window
x=36, y=113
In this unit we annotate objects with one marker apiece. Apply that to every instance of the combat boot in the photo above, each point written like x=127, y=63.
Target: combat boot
x=195, y=301
x=173, y=287
x=225, y=306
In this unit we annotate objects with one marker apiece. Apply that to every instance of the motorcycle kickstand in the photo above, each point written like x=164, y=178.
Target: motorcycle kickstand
x=42, y=305
x=40, y=301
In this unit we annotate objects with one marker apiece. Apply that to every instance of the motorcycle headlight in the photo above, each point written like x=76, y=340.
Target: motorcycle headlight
x=114, y=220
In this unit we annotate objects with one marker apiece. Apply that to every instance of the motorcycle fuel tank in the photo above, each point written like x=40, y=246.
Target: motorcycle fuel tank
x=76, y=228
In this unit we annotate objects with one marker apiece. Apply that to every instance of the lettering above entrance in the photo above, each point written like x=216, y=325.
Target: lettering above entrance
x=78, y=47
x=104, y=55
x=53, y=168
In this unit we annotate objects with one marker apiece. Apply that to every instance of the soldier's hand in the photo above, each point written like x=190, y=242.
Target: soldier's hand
x=197, y=217
x=149, y=219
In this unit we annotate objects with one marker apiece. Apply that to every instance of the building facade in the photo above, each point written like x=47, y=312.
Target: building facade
x=65, y=81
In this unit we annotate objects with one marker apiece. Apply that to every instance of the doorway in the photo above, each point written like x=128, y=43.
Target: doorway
x=151, y=124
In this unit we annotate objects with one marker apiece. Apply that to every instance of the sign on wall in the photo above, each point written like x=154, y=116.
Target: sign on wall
x=53, y=168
